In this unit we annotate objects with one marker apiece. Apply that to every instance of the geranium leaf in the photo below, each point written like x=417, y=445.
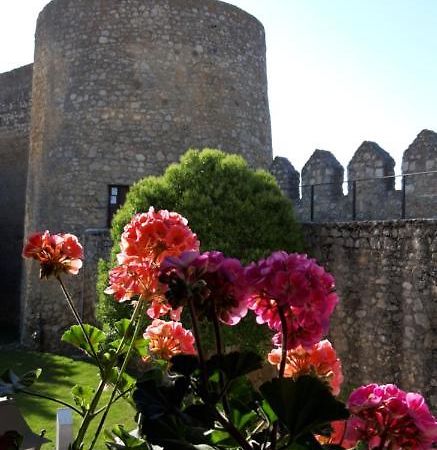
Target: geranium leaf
x=235, y=364
x=82, y=396
x=129, y=442
x=303, y=405
x=74, y=336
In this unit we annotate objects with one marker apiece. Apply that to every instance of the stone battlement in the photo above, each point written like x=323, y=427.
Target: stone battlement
x=318, y=193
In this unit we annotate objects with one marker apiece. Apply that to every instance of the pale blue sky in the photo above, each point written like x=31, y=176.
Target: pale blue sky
x=340, y=71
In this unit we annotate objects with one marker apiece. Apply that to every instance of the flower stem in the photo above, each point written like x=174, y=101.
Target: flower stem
x=53, y=399
x=219, y=347
x=284, y=343
x=230, y=428
x=203, y=372
x=281, y=369
x=136, y=316
x=78, y=443
x=79, y=321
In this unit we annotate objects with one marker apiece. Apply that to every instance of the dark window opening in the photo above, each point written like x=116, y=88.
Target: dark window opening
x=116, y=197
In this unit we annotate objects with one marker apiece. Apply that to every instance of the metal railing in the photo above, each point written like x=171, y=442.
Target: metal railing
x=352, y=188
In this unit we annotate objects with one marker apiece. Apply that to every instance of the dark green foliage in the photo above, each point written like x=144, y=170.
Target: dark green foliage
x=232, y=208
x=303, y=405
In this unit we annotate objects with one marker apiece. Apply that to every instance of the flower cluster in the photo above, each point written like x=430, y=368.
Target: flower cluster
x=297, y=288
x=215, y=282
x=153, y=236
x=56, y=253
x=168, y=339
x=320, y=360
x=385, y=417
x=145, y=242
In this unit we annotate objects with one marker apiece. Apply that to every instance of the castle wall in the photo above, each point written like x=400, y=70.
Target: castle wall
x=121, y=89
x=371, y=193
x=384, y=327
x=15, y=99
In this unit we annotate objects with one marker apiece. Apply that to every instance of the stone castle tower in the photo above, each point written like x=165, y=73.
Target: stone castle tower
x=120, y=89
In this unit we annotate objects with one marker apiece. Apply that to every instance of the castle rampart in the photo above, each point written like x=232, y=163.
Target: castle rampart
x=371, y=193
x=15, y=98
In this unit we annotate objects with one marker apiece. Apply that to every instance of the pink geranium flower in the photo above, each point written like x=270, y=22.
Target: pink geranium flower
x=168, y=339
x=385, y=417
x=56, y=253
x=215, y=284
x=299, y=288
x=132, y=279
x=145, y=242
x=320, y=360
x=153, y=236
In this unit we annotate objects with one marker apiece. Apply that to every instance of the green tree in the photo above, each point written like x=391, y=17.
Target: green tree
x=231, y=208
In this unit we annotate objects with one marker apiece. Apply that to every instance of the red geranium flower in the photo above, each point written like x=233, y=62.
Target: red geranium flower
x=56, y=253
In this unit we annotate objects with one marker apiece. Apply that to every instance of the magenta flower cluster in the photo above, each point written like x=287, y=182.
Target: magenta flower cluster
x=299, y=289
x=385, y=417
x=215, y=282
x=290, y=283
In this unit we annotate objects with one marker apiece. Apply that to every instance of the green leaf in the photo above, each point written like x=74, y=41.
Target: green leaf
x=126, y=381
x=11, y=383
x=82, y=396
x=122, y=327
x=129, y=442
x=74, y=336
x=235, y=364
x=303, y=404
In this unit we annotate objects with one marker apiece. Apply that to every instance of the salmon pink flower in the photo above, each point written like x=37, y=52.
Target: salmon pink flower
x=168, y=339
x=320, y=360
x=132, y=279
x=152, y=236
x=214, y=282
x=385, y=417
x=299, y=288
x=56, y=253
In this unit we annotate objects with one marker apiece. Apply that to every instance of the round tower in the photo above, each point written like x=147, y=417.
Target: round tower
x=122, y=88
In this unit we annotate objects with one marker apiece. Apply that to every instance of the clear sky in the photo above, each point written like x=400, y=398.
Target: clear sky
x=340, y=71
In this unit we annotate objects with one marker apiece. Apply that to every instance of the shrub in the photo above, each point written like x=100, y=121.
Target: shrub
x=232, y=208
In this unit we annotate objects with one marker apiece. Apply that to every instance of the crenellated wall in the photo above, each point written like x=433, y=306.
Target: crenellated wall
x=370, y=175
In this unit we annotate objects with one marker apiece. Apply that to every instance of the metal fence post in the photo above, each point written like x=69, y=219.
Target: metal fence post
x=312, y=204
x=64, y=429
x=404, y=182
x=354, y=200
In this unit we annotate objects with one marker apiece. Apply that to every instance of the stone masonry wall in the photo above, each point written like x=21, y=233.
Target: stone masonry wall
x=385, y=326
x=370, y=174
x=121, y=89
x=15, y=99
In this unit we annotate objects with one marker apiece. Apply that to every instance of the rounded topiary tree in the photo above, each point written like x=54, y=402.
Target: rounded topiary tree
x=230, y=207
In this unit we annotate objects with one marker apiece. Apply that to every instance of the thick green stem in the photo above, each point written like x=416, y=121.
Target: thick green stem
x=219, y=347
x=79, y=321
x=78, y=443
x=53, y=399
x=136, y=317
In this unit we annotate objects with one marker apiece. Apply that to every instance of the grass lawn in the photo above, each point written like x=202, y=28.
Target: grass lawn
x=59, y=375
